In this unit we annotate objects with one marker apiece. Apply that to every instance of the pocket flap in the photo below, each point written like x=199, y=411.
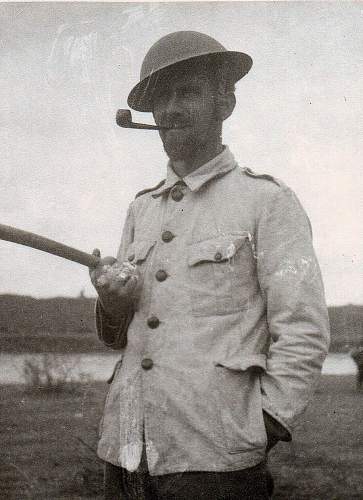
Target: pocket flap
x=255, y=362
x=217, y=249
x=138, y=251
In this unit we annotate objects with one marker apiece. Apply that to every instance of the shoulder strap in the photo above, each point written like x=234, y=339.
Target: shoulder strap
x=268, y=177
x=149, y=190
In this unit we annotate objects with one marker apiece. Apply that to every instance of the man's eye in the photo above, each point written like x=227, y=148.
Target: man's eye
x=189, y=92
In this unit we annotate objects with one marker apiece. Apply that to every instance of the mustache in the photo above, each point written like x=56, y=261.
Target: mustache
x=173, y=120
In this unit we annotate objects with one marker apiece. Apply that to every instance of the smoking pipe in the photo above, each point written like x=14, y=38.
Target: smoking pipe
x=124, y=120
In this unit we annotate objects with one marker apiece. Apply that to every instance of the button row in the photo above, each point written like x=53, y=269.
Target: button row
x=176, y=193
x=161, y=275
x=147, y=363
x=153, y=322
x=167, y=236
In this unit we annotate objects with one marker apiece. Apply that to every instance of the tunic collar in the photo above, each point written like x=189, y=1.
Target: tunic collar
x=218, y=166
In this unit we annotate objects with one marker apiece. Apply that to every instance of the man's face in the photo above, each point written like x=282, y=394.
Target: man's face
x=184, y=103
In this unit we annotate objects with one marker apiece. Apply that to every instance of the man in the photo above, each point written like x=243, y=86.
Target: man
x=220, y=317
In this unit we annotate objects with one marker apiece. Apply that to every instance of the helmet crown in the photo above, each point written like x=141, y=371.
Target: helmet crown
x=175, y=48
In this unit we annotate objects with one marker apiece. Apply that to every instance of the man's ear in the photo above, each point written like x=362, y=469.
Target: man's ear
x=225, y=104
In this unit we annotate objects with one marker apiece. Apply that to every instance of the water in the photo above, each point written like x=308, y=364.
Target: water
x=100, y=366
x=339, y=364
x=73, y=366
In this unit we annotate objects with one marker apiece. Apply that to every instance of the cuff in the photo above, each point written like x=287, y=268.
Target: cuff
x=274, y=429
x=113, y=335
x=271, y=410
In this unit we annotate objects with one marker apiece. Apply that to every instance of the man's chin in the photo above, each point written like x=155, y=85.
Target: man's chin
x=179, y=152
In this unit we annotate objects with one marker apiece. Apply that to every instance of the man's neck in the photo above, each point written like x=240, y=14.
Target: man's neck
x=185, y=167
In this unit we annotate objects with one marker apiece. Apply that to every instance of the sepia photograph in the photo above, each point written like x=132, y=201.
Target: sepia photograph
x=181, y=250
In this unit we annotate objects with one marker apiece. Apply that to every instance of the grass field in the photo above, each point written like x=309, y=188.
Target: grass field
x=48, y=443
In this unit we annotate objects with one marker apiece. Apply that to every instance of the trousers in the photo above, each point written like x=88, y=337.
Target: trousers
x=254, y=483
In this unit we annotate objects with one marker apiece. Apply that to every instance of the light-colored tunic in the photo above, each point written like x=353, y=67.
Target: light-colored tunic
x=231, y=321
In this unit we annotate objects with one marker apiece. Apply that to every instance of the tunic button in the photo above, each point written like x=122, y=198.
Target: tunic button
x=167, y=236
x=147, y=363
x=153, y=322
x=177, y=194
x=161, y=275
x=218, y=256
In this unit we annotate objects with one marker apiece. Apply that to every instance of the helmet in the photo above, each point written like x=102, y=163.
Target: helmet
x=175, y=48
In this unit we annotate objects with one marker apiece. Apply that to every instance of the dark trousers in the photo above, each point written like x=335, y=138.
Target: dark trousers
x=254, y=483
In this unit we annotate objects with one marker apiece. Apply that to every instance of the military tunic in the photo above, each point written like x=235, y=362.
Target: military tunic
x=231, y=321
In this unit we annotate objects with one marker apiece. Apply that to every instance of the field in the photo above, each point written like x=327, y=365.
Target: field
x=49, y=440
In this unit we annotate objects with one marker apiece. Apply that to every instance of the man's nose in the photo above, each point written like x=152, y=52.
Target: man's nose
x=172, y=104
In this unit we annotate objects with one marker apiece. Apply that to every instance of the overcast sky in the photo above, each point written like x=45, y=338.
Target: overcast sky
x=68, y=172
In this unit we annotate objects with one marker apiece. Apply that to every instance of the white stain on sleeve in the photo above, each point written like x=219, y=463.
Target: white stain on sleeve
x=305, y=269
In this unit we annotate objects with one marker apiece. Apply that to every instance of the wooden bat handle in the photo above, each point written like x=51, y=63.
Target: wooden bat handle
x=15, y=235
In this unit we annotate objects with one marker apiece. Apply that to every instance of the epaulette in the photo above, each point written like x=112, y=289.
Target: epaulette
x=144, y=191
x=268, y=177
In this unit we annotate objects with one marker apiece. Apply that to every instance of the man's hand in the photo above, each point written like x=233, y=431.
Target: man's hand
x=275, y=431
x=116, y=284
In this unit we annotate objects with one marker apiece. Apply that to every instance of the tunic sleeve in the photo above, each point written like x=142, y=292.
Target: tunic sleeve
x=114, y=335
x=291, y=283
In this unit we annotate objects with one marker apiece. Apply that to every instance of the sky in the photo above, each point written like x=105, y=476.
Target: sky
x=69, y=173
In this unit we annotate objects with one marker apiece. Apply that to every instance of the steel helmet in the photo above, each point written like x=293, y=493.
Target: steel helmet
x=175, y=48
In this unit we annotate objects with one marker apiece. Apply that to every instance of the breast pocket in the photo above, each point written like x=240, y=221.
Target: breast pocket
x=140, y=251
x=221, y=274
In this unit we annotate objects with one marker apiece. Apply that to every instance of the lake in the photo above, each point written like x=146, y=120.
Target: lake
x=100, y=366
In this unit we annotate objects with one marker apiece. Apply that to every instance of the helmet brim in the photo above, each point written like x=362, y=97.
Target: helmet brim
x=237, y=64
